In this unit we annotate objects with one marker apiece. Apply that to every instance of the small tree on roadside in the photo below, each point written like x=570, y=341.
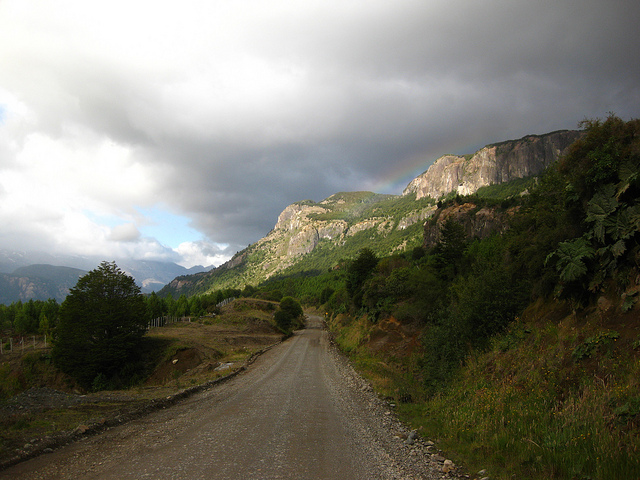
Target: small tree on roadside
x=289, y=315
x=101, y=325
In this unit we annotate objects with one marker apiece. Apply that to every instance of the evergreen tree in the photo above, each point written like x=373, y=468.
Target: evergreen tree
x=450, y=249
x=358, y=271
x=101, y=324
x=155, y=306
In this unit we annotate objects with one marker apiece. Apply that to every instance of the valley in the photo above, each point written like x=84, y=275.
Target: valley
x=503, y=324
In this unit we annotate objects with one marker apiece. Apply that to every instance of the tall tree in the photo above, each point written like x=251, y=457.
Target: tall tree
x=101, y=324
x=155, y=306
x=450, y=248
x=358, y=271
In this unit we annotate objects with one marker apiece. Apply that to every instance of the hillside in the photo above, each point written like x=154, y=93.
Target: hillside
x=515, y=338
x=311, y=237
x=512, y=337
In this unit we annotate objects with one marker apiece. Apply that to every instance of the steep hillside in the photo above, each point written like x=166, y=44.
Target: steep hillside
x=477, y=221
x=313, y=237
x=519, y=352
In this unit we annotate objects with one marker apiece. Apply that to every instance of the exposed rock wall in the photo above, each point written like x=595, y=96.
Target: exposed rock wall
x=477, y=222
x=492, y=164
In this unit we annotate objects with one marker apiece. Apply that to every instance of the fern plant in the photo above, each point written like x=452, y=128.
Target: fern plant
x=609, y=153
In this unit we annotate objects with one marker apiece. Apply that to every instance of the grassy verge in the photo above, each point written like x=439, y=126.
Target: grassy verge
x=549, y=400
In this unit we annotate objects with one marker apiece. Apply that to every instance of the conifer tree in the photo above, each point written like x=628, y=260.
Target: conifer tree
x=102, y=322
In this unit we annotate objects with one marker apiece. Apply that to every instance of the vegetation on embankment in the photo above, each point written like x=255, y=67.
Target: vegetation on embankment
x=557, y=395
x=519, y=353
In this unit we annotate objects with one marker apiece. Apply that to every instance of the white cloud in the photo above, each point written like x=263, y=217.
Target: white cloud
x=202, y=253
x=126, y=232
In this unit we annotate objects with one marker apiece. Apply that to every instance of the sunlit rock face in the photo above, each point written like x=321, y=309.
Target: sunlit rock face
x=493, y=164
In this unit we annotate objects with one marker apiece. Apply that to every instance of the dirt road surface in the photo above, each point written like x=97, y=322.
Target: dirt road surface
x=299, y=412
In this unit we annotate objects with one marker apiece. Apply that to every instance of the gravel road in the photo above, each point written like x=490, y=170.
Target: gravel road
x=298, y=412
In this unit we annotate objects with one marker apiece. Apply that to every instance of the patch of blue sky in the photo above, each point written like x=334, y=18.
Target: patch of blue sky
x=104, y=220
x=169, y=229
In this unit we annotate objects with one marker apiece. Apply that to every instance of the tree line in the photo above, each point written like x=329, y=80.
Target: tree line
x=97, y=332
x=40, y=317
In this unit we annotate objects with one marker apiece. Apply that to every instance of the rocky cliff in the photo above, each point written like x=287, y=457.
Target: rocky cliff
x=493, y=164
x=302, y=226
x=478, y=222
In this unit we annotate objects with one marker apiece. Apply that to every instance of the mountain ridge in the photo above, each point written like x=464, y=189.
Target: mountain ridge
x=315, y=235
x=493, y=164
x=40, y=275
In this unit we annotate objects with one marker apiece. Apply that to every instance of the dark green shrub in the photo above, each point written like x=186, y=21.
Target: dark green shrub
x=289, y=315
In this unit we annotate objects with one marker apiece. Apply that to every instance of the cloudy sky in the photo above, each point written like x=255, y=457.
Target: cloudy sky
x=179, y=130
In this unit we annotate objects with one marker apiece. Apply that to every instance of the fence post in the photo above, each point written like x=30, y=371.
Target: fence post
x=11, y=344
x=34, y=342
x=22, y=343
x=45, y=341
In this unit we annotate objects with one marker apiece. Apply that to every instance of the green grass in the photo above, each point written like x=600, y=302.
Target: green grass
x=535, y=412
x=505, y=190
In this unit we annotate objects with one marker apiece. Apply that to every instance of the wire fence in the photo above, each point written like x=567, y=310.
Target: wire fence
x=168, y=320
x=21, y=345
x=225, y=302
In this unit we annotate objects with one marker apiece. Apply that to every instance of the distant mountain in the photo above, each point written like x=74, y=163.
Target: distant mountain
x=152, y=275
x=39, y=275
x=50, y=272
x=38, y=282
x=310, y=236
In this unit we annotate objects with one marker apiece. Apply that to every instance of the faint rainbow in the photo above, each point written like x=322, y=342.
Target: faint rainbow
x=399, y=175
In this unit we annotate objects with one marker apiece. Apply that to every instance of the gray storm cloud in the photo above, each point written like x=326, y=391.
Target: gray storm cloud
x=228, y=112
